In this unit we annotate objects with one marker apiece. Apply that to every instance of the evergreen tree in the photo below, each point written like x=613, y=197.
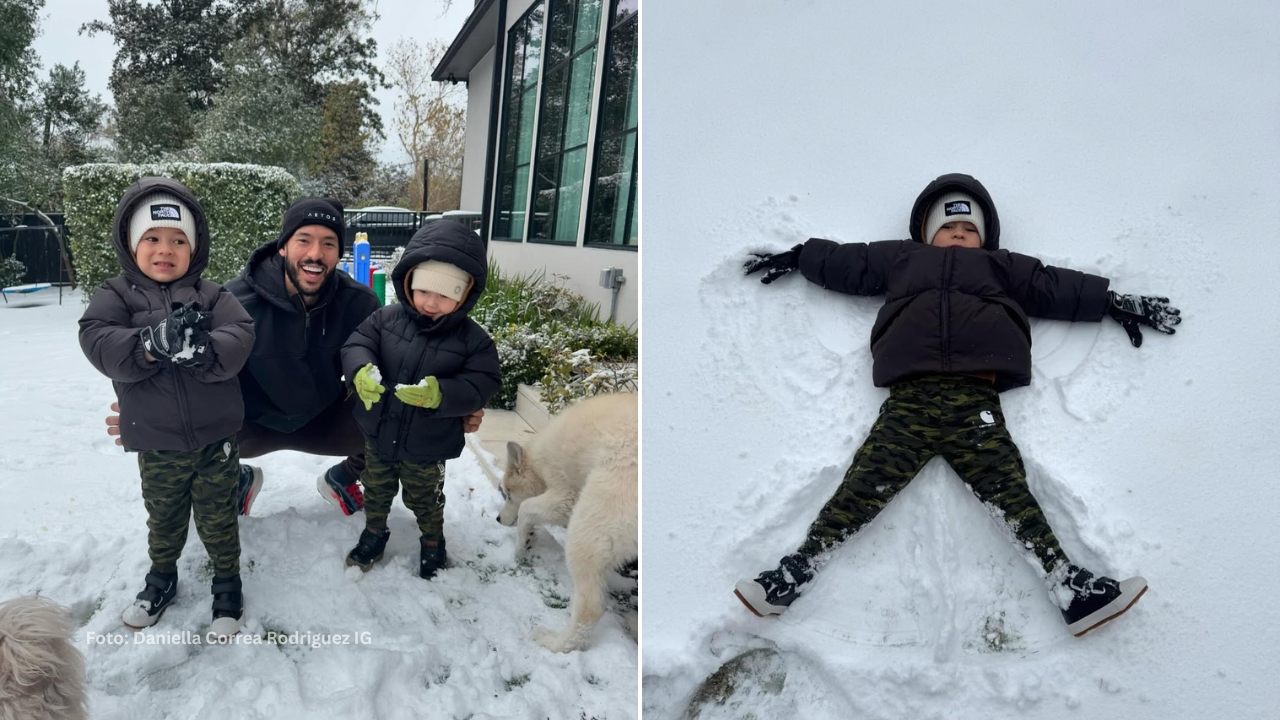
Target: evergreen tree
x=343, y=162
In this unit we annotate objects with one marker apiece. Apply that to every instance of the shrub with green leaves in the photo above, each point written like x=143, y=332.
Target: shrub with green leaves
x=575, y=374
x=243, y=203
x=12, y=270
x=538, y=325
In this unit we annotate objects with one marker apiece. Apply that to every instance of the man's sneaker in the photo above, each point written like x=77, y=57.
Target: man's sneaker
x=228, y=606
x=336, y=486
x=368, y=549
x=1094, y=599
x=250, y=484
x=432, y=559
x=773, y=591
x=152, y=601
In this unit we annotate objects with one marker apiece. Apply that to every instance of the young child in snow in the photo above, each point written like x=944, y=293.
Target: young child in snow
x=172, y=345
x=443, y=366
x=952, y=335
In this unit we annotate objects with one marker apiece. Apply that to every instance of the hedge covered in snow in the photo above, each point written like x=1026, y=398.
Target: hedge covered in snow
x=244, y=205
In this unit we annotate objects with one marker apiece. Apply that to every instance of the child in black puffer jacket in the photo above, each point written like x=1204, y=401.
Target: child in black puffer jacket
x=953, y=333
x=442, y=366
x=172, y=344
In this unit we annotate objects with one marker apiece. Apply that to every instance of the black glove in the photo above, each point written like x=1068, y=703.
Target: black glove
x=777, y=265
x=185, y=328
x=1134, y=310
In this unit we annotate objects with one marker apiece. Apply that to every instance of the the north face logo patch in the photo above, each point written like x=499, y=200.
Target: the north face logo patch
x=166, y=212
x=957, y=207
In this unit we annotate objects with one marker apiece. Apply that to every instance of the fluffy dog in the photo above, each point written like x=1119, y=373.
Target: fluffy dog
x=579, y=471
x=41, y=672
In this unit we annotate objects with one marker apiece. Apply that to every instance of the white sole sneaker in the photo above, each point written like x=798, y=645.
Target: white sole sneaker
x=225, y=627
x=752, y=595
x=1130, y=591
x=254, y=486
x=135, y=616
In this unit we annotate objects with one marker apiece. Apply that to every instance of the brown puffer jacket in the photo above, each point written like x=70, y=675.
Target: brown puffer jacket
x=953, y=310
x=163, y=406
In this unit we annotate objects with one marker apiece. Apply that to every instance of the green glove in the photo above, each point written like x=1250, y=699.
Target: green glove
x=368, y=384
x=426, y=394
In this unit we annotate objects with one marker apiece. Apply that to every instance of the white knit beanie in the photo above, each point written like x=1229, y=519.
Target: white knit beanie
x=161, y=209
x=441, y=277
x=954, y=207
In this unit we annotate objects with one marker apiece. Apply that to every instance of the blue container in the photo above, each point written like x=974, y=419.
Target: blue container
x=360, y=255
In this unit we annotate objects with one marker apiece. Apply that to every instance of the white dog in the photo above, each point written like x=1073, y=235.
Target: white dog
x=41, y=672
x=580, y=470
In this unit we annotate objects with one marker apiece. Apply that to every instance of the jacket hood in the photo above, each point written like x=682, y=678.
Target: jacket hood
x=956, y=182
x=120, y=228
x=449, y=242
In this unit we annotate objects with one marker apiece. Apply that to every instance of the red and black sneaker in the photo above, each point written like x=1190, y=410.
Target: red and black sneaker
x=250, y=482
x=336, y=486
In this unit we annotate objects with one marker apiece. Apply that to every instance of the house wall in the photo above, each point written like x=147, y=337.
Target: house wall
x=479, y=91
x=581, y=266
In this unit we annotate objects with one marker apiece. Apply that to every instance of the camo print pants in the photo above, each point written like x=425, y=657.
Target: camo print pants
x=423, y=493
x=959, y=418
x=177, y=483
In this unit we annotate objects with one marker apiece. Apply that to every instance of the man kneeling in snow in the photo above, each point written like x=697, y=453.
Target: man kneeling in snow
x=952, y=335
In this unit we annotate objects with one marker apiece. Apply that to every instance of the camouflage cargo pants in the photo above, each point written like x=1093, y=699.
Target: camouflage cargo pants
x=177, y=483
x=423, y=493
x=958, y=418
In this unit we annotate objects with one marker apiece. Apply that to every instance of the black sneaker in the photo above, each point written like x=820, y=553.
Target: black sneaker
x=368, y=549
x=250, y=484
x=338, y=487
x=433, y=558
x=228, y=606
x=773, y=591
x=1095, y=599
x=152, y=601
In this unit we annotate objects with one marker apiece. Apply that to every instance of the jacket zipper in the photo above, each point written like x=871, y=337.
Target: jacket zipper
x=404, y=426
x=946, y=308
x=179, y=391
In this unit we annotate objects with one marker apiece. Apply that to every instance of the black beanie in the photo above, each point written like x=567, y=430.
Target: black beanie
x=326, y=212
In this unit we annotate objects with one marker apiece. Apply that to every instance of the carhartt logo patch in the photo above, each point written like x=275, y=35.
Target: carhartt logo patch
x=987, y=417
x=957, y=207
x=166, y=212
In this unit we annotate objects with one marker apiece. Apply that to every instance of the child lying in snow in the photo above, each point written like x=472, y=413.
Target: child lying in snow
x=953, y=334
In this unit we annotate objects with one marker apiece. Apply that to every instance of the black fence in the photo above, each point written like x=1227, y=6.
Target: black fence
x=390, y=229
x=35, y=244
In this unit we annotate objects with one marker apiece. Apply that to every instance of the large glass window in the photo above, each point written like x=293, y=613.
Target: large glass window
x=611, y=217
x=573, y=27
x=519, y=102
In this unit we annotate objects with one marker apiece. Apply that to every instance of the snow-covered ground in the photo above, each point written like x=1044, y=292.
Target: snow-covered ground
x=321, y=640
x=1137, y=140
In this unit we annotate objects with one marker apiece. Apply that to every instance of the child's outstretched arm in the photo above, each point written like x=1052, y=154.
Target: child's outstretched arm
x=852, y=268
x=1134, y=310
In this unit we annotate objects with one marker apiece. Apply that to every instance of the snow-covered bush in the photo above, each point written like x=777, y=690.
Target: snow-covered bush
x=575, y=374
x=550, y=335
x=12, y=270
x=243, y=203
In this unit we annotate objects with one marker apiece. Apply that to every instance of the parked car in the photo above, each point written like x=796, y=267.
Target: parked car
x=388, y=227
x=381, y=216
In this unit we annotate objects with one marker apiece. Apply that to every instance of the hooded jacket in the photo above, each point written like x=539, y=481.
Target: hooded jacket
x=293, y=373
x=407, y=346
x=164, y=406
x=953, y=310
